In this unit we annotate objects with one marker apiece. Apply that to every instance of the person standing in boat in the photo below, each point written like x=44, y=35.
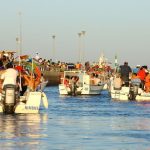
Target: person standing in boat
x=135, y=80
x=142, y=74
x=125, y=71
x=147, y=82
x=10, y=75
x=1, y=64
x=117, y=82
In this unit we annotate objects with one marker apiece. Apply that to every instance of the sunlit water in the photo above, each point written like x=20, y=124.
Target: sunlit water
x=79, y=123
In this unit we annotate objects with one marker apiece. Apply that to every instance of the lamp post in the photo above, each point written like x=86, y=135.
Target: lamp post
x=83, y=46
x=20, y=32
x=18, y=48
x=53, y=46
x=79, y=50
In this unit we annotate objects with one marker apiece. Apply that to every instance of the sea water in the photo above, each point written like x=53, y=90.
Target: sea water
x=79, y=123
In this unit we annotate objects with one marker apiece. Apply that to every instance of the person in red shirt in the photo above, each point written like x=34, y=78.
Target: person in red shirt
x=147, y=83
x=142, y=74
x=66, y=81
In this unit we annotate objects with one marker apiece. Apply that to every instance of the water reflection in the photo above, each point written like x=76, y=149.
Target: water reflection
x=87, y=123
x=22, y=130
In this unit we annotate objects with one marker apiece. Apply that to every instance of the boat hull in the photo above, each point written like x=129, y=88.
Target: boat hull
x=143, y=97
x=85, y=90
x=29, y=103
x=121, y=95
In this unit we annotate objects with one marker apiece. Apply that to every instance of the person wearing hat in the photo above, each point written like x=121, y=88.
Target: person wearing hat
x=136, y=69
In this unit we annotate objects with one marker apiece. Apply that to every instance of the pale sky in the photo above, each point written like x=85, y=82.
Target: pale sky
x=119, y=27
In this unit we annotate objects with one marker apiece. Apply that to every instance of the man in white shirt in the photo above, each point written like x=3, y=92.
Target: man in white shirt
x=9, y=76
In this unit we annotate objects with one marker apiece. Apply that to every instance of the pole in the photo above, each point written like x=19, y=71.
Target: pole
x=18, y=49
x=83, y=45
x=53, y=43
x=79, y=50
x=20, y=32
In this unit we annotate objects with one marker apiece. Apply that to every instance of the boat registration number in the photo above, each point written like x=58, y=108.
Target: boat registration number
x=31, y=107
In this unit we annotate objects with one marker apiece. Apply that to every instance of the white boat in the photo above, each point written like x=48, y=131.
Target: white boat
x=143, y=96
x=11, y=103
x=83, y=86
x=133, y=93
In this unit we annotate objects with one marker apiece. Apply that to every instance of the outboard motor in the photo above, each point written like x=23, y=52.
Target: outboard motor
x=133, y=91
x=9, y=98
x=73, y=89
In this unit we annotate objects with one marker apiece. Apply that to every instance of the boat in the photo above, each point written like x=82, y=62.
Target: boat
x=79, y=83
x=11, y=102
x=131, y=93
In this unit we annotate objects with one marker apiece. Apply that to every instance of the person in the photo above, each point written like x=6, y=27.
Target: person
x=1, y=64
x=142, y=74
x=136, y=69
x=9, y=76
x=135, y=79
x=117, y=82
x=66, y=81
x=97, y=80
x=32, y=82
x=125, y=71
x=147, y=82
x=42, y=79
x=1, y=82
x=92, y=79
x=23, y=85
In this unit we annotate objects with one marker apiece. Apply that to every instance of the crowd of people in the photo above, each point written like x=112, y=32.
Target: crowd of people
x=18, y=74
x=25, y=79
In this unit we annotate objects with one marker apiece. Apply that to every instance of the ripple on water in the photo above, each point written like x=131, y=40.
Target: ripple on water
x=82, y=122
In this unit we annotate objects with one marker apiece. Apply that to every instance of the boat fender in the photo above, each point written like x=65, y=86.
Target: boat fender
x=44, y=99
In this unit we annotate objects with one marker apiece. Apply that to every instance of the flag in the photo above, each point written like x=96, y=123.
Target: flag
x=116, y=61
x=24, y=57
x=33, y=68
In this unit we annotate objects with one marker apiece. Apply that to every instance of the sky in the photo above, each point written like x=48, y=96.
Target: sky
x=112, y=27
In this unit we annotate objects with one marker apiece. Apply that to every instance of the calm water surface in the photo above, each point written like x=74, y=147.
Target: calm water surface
x=79, y=123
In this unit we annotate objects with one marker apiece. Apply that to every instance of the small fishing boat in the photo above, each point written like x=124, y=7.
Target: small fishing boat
x=78, y=83
x=11, y=102
x=134, y=93
x=142, y=96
